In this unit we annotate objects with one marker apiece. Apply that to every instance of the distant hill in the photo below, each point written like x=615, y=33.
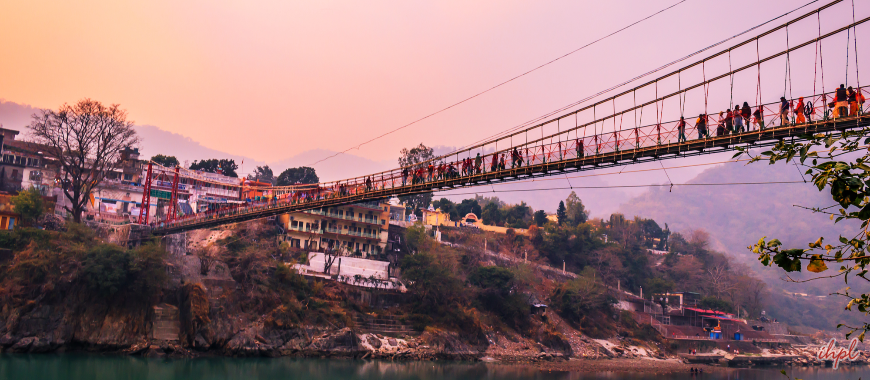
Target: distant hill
x=737, y=216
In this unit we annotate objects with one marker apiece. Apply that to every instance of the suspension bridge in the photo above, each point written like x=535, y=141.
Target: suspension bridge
x=565, y=144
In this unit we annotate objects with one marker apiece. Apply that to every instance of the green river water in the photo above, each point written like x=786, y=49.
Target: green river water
x=99, y=367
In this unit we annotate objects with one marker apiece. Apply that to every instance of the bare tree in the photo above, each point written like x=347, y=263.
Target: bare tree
x=719, y=279
x=86, y=139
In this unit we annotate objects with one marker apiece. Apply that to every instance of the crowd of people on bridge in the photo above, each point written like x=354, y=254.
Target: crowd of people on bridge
x=846, y=102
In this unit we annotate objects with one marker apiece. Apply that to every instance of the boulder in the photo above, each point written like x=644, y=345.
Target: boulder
x=374, y=342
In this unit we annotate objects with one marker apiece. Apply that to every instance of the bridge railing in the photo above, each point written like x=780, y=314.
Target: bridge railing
x=545, y=153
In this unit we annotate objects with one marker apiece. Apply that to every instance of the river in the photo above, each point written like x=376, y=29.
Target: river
x=99, y=367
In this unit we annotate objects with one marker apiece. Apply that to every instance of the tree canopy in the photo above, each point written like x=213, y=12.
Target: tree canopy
x=29, y=205
x=226, y=167
x=562, y=213
x=263, y=174
x=576, y=212
x=300, y=175
x=411, y=157
x=86, y=140
x=167, y=161
x=840, y=163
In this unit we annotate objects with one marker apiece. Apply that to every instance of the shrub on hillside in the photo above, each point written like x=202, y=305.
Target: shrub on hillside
x=580, y=296
x=109, y=269
x=499, y=294
x=713, y=303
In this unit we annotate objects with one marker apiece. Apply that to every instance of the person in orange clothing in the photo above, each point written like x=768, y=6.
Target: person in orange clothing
x=799, y=111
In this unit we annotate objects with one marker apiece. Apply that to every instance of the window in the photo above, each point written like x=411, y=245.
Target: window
x=35, y=175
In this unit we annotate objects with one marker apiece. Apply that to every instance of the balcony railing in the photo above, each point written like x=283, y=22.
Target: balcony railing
x=338, y=231
x=343, y=216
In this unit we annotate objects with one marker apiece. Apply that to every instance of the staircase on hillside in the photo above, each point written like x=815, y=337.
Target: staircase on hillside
x=385, y=325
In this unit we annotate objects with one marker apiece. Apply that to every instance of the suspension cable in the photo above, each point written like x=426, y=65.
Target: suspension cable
x=758, y=69
x=731, y=77
x=855, y=36
x=520, y=128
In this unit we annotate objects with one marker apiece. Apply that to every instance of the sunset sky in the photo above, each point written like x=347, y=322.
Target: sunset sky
x=271, y=79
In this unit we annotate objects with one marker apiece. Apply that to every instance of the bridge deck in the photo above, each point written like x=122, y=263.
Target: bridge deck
x=390, y=187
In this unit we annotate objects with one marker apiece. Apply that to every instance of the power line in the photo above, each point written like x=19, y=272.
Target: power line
x=500, y=84
x=549, y=114
x=626, y=186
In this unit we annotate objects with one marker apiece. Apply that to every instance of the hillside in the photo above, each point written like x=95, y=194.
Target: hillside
x=737, y=216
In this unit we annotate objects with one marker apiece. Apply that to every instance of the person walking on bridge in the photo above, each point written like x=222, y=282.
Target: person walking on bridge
x=720, y=125
x=738, y=120
x=759, y=117
x=784, y=107
x=404, y=176
x=478, y=164
x=494, y=165
x=853, y=102
x=701, y=125
x=842, y=102
x=799, y=111
x=579, y=146
x=430, y=171
x=729, y=122
x=746, y=112
x=681, y=129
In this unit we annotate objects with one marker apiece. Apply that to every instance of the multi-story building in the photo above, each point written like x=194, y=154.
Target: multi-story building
x=356, y=229
x=25, y=165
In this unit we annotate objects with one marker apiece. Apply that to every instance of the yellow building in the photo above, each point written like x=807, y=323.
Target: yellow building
x=357, y=228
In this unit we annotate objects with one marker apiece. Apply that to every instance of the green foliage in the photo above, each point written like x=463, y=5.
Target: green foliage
x=580, y=296
x=109, y=269
x=562, y=213
x=499, y=294
x=167, y=161
x=415, y=237
x=285, y=275
x=263, y=174
x=105, y=269
x=223, y=166
x=494, y=278
x=517, y=216
x=300, y=175
x=29, y=205
x=840, y=163
x=574, y=245
x=19, y=238
x=457, y=210
x=540, y=218
x=491, y=215
x=659, y=285
x=574, y=210
x=713, y=303
x=414, y=157
x=434, y=286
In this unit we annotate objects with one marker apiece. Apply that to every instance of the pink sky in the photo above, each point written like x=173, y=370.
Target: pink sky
x=271, y=79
